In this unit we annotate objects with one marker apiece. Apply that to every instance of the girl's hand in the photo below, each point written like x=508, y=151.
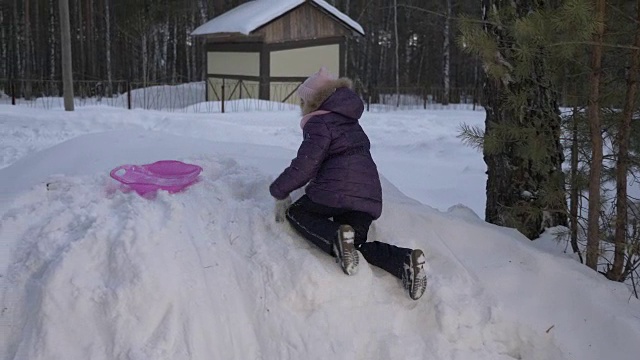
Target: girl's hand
x=281, y=207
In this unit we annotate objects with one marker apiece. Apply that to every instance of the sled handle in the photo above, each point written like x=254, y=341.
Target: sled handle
x=114, y=172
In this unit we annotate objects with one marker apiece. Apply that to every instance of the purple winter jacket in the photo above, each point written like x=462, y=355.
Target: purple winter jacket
x=335, y=160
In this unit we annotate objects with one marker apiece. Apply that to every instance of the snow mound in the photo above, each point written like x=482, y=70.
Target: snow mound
x=96, y=273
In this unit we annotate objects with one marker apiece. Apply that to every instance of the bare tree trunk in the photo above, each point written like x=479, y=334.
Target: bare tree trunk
x=187, y=58
x=27, y=51
x=368, y=66
x=218, y=7
x=193, y=48
x=52, y=41
x=174, y=61
x=446, y=51
x=36, y=44
x=382, y=62
x=622, y=166
x=165, y=49
x=155, y=38
x=420, y=66
x=202, y=11
x=593, y=114
x=90, y=37
x=574, y=196
x=80, y=38
x=65, y=41
x=476, y=82
x=395, y=30
x=107, y=45
x=145, y=59
x=203, y=19
x=382, y=41
x=3, y=45
x=19, y=69
x=187, y=53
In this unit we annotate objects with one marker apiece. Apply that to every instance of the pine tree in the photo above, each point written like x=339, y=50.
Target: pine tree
x=518, y=45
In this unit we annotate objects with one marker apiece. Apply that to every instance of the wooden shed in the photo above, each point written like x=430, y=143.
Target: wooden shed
x=264, y=49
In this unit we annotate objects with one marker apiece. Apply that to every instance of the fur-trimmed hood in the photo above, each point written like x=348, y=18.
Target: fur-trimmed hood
x=316, y=102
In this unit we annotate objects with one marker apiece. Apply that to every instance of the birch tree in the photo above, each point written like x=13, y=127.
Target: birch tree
x=52, y=41
x=107, y=46
x=174, y=62
x=446, y=54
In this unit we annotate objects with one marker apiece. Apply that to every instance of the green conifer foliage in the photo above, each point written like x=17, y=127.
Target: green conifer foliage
x=521, y=44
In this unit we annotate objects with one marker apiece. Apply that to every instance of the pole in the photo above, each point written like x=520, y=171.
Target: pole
x=222, y=96
x=67, y=69
x=129, y=94
x=12, y=87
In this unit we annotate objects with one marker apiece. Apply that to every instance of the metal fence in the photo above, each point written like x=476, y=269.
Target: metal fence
x=192, y=97
x=404, y=98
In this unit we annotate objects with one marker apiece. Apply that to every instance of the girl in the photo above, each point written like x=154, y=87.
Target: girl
x=343, y=195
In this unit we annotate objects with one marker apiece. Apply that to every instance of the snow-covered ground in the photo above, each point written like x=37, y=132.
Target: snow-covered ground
x=88, y=271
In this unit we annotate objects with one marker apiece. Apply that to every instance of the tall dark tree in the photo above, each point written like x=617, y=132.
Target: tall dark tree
x=595, y=127
x=616, y=272
x=525, y=184
x=521, y=138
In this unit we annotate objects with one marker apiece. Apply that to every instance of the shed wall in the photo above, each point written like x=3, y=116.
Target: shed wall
x=303, y=23
x=303, y=62
x=233, y=63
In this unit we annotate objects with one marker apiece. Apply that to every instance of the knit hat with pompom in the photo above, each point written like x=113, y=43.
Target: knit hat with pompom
x=314, y=83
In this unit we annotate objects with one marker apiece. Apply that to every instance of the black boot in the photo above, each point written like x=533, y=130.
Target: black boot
x=345, y=250
x=414, y=278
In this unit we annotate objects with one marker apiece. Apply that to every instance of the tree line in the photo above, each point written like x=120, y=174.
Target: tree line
x=409, y=43
x=145, y=41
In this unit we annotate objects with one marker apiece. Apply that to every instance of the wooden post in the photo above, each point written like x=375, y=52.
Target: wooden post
x=12, y=89
x=424, y=98
x=129, y=95
x=222, y=105
x=206, y=89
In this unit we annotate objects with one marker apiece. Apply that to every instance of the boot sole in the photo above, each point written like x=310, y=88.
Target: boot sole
x=345, y=248
x=414, y=292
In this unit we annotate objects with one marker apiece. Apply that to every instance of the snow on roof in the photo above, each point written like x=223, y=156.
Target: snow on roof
x=253, y=14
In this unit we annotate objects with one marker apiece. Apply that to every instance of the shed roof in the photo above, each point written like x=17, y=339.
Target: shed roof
x=253, y=14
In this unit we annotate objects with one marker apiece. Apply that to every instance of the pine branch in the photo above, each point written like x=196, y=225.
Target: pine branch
x=472, y=136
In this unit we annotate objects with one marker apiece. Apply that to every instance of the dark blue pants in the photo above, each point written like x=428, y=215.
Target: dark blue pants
x=319, y=224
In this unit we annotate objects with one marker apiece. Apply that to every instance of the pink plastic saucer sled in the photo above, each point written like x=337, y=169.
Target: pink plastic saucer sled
x=170, y=175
